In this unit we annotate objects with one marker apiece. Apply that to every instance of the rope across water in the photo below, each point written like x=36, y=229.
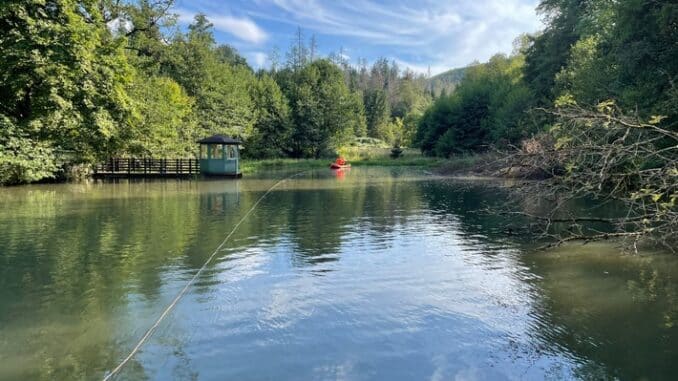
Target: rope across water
x=188, y=285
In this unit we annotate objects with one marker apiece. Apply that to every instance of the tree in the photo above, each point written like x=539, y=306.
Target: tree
x=377, y=112
x=605, y=154
x=163, y=126
x=487, y=108
x=63, y=78
x=298, y=54
x=272, y=128
x=358, y=120
x=220, y=87
x=549, y=51
x=23, y=159
x=142, y=23
x=323, y=110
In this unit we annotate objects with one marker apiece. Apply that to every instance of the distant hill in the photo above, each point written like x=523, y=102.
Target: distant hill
x=446, y=81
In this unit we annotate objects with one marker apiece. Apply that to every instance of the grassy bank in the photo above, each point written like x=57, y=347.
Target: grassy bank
x=372, y=156
x=357, y=156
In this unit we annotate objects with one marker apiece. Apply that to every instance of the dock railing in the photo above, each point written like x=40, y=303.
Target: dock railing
x=147, y=167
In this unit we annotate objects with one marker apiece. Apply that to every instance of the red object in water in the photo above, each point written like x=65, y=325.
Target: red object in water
x=337, y=166
x=340, y=163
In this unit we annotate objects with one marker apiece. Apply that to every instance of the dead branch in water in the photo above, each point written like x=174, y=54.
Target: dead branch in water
x=601, y=154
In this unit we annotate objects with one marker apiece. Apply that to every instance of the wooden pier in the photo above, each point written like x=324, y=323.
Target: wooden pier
x=147, y=168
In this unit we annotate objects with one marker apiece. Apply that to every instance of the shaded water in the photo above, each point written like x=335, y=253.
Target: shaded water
x=380, y=274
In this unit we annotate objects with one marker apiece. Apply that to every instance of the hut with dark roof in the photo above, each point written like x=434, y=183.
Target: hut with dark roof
x=220, y=156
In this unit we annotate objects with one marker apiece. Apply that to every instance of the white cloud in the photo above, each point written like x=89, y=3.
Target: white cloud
x=258, y=59
x=242, y=28
x=443, y=34
x=418, y=33
x=422, y=68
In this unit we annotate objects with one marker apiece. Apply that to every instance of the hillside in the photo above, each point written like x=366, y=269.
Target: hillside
x=446, y=81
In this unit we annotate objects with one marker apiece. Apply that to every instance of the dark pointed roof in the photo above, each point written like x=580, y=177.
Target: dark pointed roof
x=219, y=139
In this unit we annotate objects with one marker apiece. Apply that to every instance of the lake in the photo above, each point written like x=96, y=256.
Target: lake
x=370, y=274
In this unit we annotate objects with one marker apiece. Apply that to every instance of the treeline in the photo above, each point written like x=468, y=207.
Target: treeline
x=84, y=80
x=590, y=105
x=591, y=51
x=327, y=102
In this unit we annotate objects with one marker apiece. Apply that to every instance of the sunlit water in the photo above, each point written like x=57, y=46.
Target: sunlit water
x=376, y=274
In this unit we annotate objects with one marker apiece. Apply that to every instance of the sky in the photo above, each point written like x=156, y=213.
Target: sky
x=417, y=34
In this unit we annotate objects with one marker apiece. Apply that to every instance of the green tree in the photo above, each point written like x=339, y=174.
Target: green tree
x=143, y=22
x=272, y=128
x=23, y=159
x=220, y=89
x=323, y=110
x=377, y=113
x=626, y=54
x=63, y=77
x=549, y=50
x=487, y=108
x=163, y=126
x=359, y=119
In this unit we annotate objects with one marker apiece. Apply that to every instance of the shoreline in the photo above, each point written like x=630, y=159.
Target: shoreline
x=467, y=167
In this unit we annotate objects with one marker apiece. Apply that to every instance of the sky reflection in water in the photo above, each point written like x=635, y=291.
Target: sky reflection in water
x=379, y=274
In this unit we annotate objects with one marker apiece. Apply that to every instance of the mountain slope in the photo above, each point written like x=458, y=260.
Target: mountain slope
x=446, y=81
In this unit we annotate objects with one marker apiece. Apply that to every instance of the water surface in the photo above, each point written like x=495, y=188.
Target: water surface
x=377, y=274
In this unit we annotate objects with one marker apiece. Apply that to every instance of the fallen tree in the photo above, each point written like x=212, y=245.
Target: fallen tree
x=600, y=153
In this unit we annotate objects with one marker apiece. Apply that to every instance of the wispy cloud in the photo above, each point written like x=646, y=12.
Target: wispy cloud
x=421, y=33
x=242, y=28
x=257, y=59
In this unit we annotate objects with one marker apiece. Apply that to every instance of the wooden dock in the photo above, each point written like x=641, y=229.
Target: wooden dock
x=147, y=168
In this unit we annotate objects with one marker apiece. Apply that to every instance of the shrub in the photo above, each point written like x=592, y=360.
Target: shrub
x=23, y=160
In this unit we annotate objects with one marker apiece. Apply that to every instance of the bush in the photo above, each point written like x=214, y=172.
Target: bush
x=23, y=160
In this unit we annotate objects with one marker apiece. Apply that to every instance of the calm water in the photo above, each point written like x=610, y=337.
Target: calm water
x=380, y=274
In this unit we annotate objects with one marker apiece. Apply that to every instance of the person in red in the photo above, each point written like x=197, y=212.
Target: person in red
x=340, y=161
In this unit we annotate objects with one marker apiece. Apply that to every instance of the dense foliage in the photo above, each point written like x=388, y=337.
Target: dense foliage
x=591, y=104
x=84, y=80
x=591, y=51
x=486, y=108
x=63, y=80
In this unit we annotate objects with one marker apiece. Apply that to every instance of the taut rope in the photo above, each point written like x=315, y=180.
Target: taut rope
x=188, y=285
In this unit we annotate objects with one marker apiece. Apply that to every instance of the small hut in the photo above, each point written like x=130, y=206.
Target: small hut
x=220, y=156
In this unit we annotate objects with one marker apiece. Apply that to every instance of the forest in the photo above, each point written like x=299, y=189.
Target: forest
x=591, y=51
x=85, y=80
x=81, y=81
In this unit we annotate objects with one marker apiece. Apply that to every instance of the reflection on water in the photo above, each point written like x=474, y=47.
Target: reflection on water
x=374, y=274
x=617, y=313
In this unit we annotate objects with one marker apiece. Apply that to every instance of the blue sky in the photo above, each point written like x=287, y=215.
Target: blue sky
x=416, y=34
